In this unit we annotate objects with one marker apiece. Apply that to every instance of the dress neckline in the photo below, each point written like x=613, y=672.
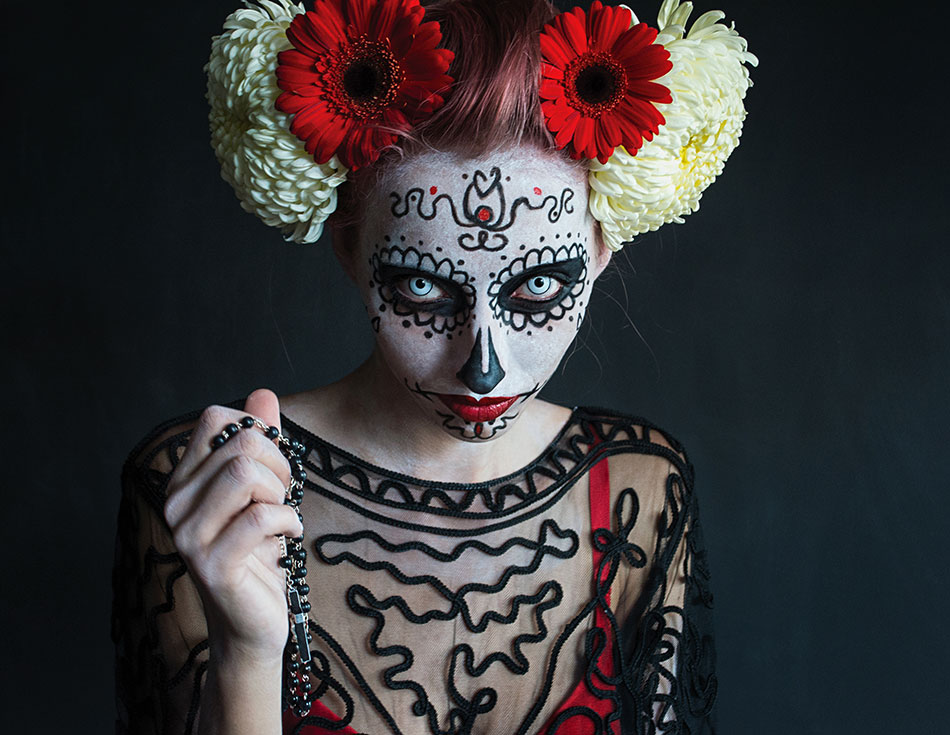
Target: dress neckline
x=314, y=441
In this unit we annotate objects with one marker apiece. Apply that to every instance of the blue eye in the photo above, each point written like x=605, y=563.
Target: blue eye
x=420, y=286
x=540, y=285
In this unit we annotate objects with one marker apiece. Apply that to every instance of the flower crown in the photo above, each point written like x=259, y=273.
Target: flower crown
x=299, y=98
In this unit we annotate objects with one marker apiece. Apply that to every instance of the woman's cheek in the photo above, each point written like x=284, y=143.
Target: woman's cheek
x=415, y=354
x=539, y=353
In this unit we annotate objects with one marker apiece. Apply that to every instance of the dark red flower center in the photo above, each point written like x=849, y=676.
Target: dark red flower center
x=364, y=78
x=594, y=83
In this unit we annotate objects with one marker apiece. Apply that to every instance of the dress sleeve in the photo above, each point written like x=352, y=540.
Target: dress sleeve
x=668, y=652
x=158, y=623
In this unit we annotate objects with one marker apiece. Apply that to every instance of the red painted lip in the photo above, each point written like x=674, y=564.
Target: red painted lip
x=477, y=410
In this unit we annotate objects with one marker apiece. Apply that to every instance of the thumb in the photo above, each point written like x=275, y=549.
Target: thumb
x=263, y=403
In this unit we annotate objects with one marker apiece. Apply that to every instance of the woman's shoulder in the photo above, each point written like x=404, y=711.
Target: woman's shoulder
x=623, y=433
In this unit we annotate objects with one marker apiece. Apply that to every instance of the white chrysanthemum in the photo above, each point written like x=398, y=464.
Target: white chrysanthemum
x=272, y=174
x=664, y=181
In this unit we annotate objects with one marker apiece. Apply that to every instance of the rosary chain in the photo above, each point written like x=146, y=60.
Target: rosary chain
x=293, y=558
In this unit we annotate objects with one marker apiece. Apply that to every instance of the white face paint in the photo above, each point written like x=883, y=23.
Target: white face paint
x=476, y=275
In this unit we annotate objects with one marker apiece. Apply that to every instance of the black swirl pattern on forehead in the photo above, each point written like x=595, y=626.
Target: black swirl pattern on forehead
x=520, y=269
x=484, y=207
x=411, y=260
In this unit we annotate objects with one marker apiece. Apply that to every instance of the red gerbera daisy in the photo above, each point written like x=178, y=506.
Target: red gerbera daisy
x=360, y=72
x=596, y=81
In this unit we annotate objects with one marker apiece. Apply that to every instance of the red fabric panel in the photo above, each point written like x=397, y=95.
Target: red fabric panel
x=582, y=696
x=319, y=709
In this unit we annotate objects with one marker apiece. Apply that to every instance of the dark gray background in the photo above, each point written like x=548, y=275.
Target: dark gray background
x=793, y=334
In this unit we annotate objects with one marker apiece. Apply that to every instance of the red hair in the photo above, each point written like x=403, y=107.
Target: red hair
x=494, y=102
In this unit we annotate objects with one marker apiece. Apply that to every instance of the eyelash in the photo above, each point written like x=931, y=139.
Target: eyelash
x=448, y=305
x=556, y=278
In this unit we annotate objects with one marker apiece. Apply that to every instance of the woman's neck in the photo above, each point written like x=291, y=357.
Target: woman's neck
x=371, y=415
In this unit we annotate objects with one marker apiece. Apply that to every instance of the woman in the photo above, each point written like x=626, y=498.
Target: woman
x=479, y=560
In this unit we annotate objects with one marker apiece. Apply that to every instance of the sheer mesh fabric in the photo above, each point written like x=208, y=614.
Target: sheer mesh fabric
x=444, y=609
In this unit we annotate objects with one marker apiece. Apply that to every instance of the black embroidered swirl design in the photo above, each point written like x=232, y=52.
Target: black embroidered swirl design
x=663, y=651
x=484, y=207
x=363, y=603
x=458, y=605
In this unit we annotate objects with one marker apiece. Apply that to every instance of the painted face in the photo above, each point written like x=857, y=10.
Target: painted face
x=476, y=275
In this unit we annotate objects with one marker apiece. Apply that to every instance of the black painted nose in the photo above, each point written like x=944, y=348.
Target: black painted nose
x=471, y=373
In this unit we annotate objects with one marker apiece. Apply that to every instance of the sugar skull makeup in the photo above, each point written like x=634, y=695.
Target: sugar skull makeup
x=476, y=275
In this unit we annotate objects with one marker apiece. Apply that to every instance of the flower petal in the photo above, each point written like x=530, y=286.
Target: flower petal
x=633, y=40
x=317, y=32
x=357, y=13
x=584, y=137
x=550, y=71
x=565, y=134
x=426, y=64
x=602, y=144
x=574, y=30
x=295, y=76
x=649, y=91
x=557, y=115
x=612, y=130
x=607, y=25
x=383, y=18
x=293, y=57
x=550, y=89
x=651, y=63
x=554, y=47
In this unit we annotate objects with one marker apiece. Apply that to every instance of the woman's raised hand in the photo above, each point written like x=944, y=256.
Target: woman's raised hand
x=224, y=508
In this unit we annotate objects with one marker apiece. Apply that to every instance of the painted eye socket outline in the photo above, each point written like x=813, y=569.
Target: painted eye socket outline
x=394, y=266
x=399, y=282
x=564, y=273
x=566, y=265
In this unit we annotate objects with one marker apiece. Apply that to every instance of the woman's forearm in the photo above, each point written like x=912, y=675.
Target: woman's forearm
x=241, y=696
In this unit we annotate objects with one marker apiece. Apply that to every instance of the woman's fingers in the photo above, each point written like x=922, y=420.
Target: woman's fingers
x=257, y=524
x=261, y=403
x=212, y=505
x=188, y=491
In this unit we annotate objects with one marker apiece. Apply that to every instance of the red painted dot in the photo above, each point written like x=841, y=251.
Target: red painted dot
x=478, y=429
x=433, y=190
x=484, y=214
x=537, y=191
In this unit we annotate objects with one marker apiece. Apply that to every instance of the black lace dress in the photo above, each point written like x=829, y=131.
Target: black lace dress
x=570, y=597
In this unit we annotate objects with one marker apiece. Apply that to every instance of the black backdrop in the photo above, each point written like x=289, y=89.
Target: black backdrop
x=793, y=334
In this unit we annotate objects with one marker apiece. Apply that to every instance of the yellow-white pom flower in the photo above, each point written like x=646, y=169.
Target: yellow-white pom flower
x=664, y=181
x=272, y=175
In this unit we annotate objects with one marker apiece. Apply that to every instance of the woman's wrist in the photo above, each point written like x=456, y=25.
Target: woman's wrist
x=242, y=693
x=235, y=657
